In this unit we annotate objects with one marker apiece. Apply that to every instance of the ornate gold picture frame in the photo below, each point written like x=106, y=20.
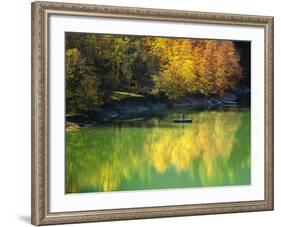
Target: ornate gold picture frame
x=41, y=67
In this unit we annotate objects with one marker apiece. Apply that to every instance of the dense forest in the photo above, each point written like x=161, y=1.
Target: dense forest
x=100, y=68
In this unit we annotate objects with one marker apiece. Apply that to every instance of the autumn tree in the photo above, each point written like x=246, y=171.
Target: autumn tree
x=205, y=67
x=98, y=65
x=176, y=75
x=217, y=66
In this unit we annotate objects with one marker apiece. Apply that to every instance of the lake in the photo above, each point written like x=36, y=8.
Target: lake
x=152, y=152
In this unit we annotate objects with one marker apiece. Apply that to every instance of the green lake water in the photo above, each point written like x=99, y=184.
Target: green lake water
x=152, y=152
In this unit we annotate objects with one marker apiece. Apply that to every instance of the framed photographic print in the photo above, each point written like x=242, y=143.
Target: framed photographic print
x=145, y=113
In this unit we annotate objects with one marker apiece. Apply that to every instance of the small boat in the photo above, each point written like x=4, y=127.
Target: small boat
x=182, y=120
x=230, y=103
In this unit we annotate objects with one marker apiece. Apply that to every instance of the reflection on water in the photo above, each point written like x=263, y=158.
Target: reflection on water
x=155, y=153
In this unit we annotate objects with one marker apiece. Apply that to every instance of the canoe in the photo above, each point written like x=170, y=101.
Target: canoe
x=229, y=103
x=183, y=121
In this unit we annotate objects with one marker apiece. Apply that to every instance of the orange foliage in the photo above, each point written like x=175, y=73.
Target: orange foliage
x=207, y=67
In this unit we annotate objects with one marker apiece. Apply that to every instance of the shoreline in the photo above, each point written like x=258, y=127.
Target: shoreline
x=133, y=107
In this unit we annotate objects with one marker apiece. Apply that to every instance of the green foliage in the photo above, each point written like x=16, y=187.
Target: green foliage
x=82, y=85
x=103, y=64
x=99, y=65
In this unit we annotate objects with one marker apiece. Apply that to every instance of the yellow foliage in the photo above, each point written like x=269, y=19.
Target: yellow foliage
x=195, y=66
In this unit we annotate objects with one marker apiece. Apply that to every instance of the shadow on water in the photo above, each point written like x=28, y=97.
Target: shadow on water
x=150, y=152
